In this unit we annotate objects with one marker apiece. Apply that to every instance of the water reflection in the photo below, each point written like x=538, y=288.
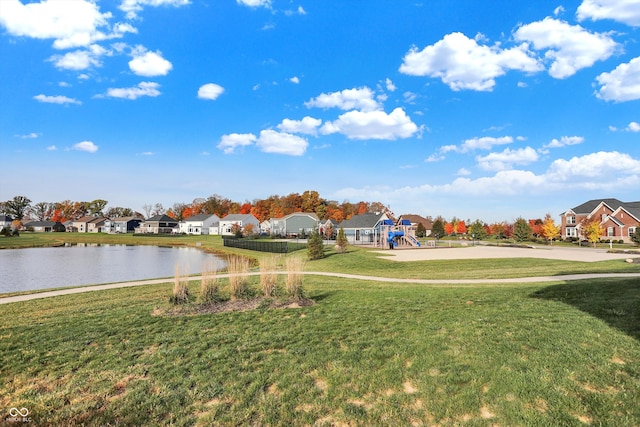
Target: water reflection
x=87, y=263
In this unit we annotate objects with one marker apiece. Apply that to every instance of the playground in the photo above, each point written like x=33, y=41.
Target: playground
x=401, y=235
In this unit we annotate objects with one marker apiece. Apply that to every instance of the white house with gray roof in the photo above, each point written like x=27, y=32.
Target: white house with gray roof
x=363, y=229
x=200, y=224
x=229, y=223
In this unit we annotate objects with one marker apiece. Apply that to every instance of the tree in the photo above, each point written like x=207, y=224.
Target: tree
x=248, y=230
x=118, y=212
x=591, y=230
x=42, y=211
x=328, y=231
x=437, y=229
x=96, y=207
x=147, y=208
x=549, y=230
x=17, y=207
x=420, y=230
x=521, y=230
x=461, y=227
x=449, y=229
x=635, y=237
x=315, y=246
x=478, y=230
x=341, y=241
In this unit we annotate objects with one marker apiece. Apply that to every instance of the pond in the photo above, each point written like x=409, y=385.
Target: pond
x=88, y=264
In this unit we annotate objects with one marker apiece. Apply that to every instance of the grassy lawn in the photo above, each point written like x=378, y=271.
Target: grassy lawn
x=367, y=353
x=364, y=354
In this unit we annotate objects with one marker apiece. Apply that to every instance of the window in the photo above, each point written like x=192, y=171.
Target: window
x=604, y=217
x=610, y=232
x=571, y=219
x=571, y=232
x=632, y=230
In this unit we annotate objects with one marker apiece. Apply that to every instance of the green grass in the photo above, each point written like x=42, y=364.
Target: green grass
x=364, y=354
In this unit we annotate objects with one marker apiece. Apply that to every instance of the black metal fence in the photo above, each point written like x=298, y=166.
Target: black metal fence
x=264, y=245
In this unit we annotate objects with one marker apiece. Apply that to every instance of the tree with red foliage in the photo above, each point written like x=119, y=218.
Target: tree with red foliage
x=448, y=228
x=245, y=208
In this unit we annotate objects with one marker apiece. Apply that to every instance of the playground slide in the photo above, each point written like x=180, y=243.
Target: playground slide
x=412, y=240
x=392, y=237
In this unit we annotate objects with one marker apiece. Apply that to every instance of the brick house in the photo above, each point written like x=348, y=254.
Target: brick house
x=619, y=220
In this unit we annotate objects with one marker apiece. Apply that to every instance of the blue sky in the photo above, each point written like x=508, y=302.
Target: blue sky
x=476, y=109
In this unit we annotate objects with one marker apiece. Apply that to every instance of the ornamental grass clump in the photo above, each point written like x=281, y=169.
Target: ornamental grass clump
x=209, y=289
x=268, y=276
x=180, y=288
x=238, y=268
x=295, y=267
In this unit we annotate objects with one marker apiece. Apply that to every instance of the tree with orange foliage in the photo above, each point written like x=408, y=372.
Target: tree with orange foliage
x=448, y=228
x=461, y=227
x=245, y=208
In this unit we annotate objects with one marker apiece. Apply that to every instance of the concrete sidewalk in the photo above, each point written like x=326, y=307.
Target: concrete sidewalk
x=28, y=297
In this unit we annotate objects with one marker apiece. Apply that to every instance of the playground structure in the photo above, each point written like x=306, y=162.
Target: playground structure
x=397, y=235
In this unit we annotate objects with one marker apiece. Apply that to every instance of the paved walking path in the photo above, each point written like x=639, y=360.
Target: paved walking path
x=27, y=297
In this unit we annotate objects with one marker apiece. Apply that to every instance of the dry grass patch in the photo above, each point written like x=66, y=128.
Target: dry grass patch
x=295, y=268
x=268, y=276
x=238, y=268
x=180, y=288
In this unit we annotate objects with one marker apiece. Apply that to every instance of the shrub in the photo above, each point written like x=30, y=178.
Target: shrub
x=315, y=246
x=238, y=268
x=341, y=241
x=6, y=231
x=268, y=276
x=180, y=289
x=209, y=289
x=295, y=267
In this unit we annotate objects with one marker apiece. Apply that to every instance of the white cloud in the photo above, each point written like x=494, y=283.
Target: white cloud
x=625, y=11
x=255, y=3
x=348, y=99
x=52, y=148
x=621, y=84
x=80, y=59
x=461, y=63
x=601, y=164
x=294, y=79
x=143, y=89
x=87, y=146
x=633, y=127
x=210, y=91
x=149, y=64
x=299, y=11
x=482, y=143
x=59, y=99
x=564, y=141
x=558, y=10
x=507, y=159
x=463, y=172
x=69, y=23
x=31, y=135
x=229, y=143
x=271, y=141
x=308, y=125
x=389, y=85
x=132, y=7
x=372, y=125
x=568, y=47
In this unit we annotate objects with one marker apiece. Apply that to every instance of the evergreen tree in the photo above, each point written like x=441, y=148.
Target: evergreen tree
x=437, y=229
x=635, y=238
x=420, y=230
x=315, y=246
x=521, y=230
x=341, y=241
x=477, y=230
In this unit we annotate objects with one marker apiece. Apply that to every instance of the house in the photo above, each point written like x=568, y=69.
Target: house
x=265, y=227
x=229, y=223
x=122, y=225
x=328, y=226
x=294, y=225
x=200, y=224
x=619, y=220
x=363, y=229
x=45, y=226
x=159, y=224
x=5, y=221
x=88, y=224
x=414, y=220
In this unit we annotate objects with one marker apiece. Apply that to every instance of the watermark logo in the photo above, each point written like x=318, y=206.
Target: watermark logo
x=19, y=415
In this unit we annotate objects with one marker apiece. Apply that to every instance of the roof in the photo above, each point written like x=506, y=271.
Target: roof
x=41, y=224
x=311, y=214
x=417, y=219
x=588, y=207
x=199, y=217
x=161, y=218
x=125, y=219
x=366, y=220
x=5, y=218
x=238, y=217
